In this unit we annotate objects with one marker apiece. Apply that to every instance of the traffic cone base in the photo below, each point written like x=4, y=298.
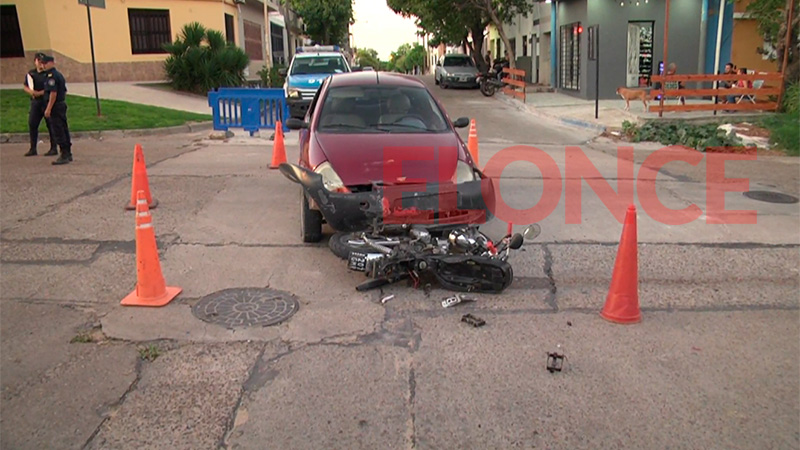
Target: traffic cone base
x=278, y=148
x=133, y=298
x=132, y=206
x=622, y=303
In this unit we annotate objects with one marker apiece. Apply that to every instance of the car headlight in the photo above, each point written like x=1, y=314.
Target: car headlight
x=330, y=179
x=293, y=93
x=464, y=173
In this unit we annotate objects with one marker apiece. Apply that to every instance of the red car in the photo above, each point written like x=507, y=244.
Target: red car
x=378, y=144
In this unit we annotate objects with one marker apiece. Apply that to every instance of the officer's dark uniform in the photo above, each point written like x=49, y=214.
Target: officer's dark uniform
x=36, y=113
x=55, y=82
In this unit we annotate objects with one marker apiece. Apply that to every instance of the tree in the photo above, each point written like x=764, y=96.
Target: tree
x=499, y=11
x=368, y=57
x=449, y=22
x=772, y=18
x=327, y=21
x=201, y=60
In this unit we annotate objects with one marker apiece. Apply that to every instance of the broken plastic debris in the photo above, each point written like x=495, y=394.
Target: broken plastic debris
x=387, y=298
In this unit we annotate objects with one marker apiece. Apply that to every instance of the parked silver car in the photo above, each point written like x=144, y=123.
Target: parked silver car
x=455, y=70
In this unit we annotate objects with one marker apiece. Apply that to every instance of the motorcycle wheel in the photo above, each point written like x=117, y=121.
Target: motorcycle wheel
x=487, y=89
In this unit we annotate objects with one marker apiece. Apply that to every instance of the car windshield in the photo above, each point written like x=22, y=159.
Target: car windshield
x=457, y=61
x=380, y=109
x=318, y=65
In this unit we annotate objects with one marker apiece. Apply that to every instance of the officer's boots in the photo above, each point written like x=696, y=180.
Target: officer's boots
x=53, y=151
x=65, y=158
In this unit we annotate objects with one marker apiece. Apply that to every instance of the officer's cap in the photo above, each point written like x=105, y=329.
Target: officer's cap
x=39, y=56
x=47, y=59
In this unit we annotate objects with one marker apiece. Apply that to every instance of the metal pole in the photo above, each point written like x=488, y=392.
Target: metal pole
x=786, y=51
x=94, y=65
x=597, y=71
x=553, y=47
x=721, y=15
x=701, y=60
x=666, y=61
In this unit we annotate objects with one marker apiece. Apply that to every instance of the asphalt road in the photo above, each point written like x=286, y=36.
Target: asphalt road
x=713, y=364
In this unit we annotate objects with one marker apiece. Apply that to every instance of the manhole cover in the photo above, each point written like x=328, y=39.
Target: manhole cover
x=771, y=197
x=246, y=307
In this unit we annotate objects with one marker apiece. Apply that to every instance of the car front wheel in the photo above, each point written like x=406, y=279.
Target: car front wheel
x=310, y=221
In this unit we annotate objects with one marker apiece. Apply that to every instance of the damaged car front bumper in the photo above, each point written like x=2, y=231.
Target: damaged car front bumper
x=433, y=205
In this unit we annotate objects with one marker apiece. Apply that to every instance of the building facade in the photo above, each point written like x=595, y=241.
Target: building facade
x=128, y=35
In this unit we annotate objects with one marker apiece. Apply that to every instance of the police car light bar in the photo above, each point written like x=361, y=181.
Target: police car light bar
x=318, y=48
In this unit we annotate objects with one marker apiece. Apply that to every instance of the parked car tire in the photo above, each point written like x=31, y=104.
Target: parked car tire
x=435, y=80
x=310, y=221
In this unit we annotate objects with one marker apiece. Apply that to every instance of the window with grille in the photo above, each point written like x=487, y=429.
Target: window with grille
x=253, y=42
x=11, y=38
x=276, y=33
x=570, y=56
x=150, y=30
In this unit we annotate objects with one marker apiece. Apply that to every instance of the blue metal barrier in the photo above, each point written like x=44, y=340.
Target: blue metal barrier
x=248, y=108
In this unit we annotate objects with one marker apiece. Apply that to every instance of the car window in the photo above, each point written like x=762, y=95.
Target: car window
x=458, y=61
x=380, y=109
x=313, y=105
x=318, y=65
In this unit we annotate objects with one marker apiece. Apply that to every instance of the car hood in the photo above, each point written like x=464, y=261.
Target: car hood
x=307, y=81
x=461, y=70
x=363, y=159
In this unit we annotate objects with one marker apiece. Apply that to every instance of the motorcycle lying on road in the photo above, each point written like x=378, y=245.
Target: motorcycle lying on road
x=464, y=260
x=459, y=257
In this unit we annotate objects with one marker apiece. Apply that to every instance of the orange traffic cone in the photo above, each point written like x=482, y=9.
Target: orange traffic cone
x=139, y=180
x=472, y=143
x=278, y=149
x=151, y=290
x=622, y=304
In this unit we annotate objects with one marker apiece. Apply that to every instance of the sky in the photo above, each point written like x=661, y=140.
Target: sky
x=378, y=27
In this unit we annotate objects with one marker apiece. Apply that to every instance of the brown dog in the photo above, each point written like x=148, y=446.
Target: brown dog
x=632, y=94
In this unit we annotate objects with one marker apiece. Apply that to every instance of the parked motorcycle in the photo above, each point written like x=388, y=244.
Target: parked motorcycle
x=492, y=80
x=463, y=260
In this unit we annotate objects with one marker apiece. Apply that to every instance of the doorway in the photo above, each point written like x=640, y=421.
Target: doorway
x=639, y=54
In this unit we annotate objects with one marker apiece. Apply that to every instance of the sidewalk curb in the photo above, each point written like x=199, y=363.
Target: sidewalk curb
x=21, y=138
x=564, y=120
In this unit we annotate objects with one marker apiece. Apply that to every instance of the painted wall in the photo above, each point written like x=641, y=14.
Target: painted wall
x=254, y=12
x=62, y=26
x=746, y=39
x=613, y=20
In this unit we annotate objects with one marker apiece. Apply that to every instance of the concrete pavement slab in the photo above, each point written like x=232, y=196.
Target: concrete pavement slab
x=183, y=400
x=46, y=252
x=62, y=407
x=627, y=386
x=102, y=215
x=235, y=215
x=331, y=396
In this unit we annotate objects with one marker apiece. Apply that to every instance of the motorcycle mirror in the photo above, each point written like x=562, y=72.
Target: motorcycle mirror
x=290, y=172
x=532, y=231
x=516, y=241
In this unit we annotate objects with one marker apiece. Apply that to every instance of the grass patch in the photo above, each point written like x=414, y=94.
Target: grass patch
x=82, y=114
x=83, y=337
x=696, y=136
x=149, y=353
x=784, y=132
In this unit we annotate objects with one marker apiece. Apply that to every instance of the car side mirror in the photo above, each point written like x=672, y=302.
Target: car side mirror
x=461, y=122
x=282, y=72
x=296, y=124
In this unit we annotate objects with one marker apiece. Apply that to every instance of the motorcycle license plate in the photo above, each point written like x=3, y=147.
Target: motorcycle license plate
x=358, y=260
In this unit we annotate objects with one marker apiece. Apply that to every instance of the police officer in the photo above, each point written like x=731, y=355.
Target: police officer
x=34, y=86
x=55, y=89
